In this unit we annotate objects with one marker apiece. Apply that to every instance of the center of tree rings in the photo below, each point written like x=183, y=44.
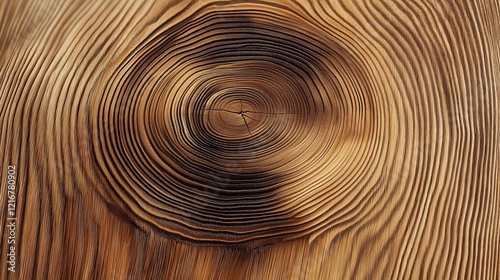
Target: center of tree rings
x=230, y=126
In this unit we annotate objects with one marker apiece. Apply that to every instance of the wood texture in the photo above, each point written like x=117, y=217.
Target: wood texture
x=251, y=139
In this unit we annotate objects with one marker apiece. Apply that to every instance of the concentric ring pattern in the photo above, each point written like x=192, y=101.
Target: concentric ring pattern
x=250, y=139
x=227, y=126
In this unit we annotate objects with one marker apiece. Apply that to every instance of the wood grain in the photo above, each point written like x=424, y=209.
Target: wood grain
x=251, y=139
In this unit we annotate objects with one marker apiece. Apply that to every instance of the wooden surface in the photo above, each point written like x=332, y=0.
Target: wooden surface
x=250, y=139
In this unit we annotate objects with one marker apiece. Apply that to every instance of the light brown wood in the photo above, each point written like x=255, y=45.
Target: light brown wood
x=250, y=139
